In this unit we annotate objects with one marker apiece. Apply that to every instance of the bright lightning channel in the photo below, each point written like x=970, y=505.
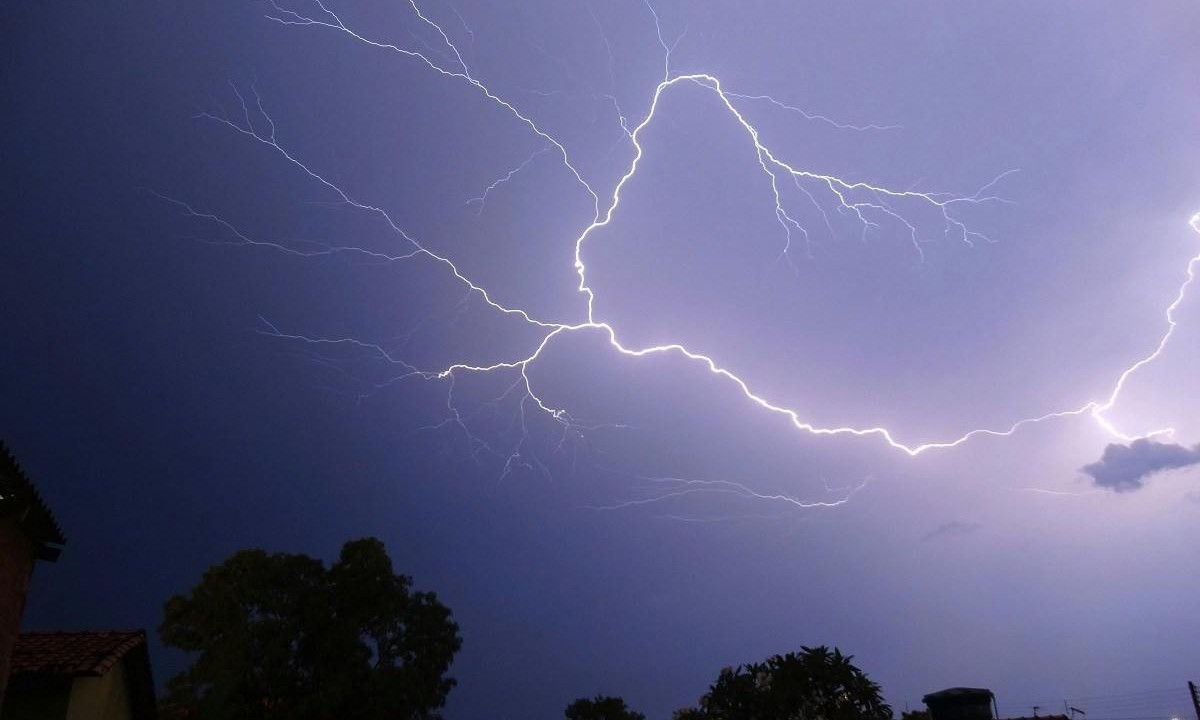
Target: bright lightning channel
x=869, y=204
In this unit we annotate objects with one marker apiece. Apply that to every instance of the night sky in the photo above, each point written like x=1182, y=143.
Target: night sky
x=255, y=272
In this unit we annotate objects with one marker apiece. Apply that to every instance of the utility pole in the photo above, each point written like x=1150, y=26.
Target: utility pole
x=1195, y=698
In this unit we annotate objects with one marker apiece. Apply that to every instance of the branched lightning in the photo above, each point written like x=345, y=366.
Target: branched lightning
x=812, y=116
x=480, y=201
x=668, y=488
x=1099, y=409
x=869, y=204
x=1059, y=493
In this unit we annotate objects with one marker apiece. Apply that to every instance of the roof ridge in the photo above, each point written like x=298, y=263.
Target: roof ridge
x=22, y=485
x=86, y=652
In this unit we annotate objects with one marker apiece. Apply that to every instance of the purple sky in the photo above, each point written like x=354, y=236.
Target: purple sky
x=928, y=219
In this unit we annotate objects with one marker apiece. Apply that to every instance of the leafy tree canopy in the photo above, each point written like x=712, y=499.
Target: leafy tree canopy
x=601, y=707
x=282, y=636
x=814, y=684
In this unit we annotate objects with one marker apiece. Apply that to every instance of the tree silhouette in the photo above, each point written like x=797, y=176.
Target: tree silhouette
x=601, y=707
x=814, y=684
x=282, y=636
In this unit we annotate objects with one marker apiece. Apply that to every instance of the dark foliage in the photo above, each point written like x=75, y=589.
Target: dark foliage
x=814, y=684
x=282, y=636
x=601, y=707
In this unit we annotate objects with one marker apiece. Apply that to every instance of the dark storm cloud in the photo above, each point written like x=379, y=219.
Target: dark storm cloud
x=953, y=528
x=1124, y=468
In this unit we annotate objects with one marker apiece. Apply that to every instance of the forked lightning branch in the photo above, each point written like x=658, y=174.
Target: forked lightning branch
x=870, y=205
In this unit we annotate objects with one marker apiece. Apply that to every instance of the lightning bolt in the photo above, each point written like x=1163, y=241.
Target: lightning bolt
x=1099, y=409
x=869, y=204
x=668, y=488
x=480, y=201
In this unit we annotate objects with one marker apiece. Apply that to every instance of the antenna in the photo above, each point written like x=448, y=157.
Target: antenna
x=1035, y=709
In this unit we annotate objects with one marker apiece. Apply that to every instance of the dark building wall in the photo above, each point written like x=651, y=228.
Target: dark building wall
x=37, y=698
x=961, y=711
x=16, y=569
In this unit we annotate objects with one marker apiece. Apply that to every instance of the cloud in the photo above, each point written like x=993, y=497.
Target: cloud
x=1124, y=468
x=953, y=528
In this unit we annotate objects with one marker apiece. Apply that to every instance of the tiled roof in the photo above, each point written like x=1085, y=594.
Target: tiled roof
x=19, y=496
x=73, y=653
